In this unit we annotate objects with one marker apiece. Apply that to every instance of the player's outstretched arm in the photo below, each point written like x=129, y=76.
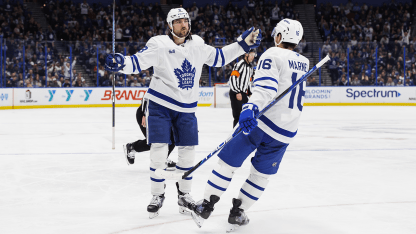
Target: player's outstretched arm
x=143, y=59
x=219, y=57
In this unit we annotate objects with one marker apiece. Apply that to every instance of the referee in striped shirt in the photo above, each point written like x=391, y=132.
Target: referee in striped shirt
x=240, y=83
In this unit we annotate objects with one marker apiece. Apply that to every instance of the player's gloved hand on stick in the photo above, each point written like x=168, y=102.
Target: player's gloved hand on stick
x=247, y=119
x=250, y=39
x=114, y=63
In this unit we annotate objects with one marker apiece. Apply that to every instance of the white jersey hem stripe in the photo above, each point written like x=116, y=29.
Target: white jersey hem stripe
x=171, y=100
x=276, y=128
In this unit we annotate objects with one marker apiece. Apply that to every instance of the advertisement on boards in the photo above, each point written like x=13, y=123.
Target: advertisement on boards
x=85, y=97
x=217, y=96
x=6, y=98
x=360, y=95
x=206, y=96
x=222, y=96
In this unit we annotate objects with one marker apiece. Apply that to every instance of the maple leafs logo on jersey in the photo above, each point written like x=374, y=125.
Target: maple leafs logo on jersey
x=186, y=76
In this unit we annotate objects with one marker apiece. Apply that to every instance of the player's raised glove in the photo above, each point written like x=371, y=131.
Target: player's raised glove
x=250, y=39
x=247, y=119
x=114, y=63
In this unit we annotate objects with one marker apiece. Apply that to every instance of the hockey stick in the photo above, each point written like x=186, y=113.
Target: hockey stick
x=177, y=176
x=113, y=139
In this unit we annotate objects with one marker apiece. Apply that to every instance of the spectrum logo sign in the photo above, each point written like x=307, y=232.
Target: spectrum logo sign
x=372, y=93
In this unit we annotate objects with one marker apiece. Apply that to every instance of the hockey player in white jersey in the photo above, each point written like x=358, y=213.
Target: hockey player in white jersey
x=177, y=60
x=278, y=68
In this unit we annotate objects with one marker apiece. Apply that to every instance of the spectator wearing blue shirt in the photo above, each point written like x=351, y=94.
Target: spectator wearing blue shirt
x=127, y=32
x=327, y=29
x=356, y=8
x=120, y=81
x=367, y=70
x=408, y=82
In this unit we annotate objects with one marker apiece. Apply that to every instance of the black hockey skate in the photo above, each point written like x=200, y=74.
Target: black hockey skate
x=203, y=209
x=237, y=216
x=170, y=165
x=155, y=204
x=129, y=153
x=185, y=202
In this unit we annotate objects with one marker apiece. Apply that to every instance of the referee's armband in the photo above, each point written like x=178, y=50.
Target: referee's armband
x=235, y=73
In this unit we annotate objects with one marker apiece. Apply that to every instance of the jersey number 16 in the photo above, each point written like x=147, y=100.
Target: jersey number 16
x=300, y=95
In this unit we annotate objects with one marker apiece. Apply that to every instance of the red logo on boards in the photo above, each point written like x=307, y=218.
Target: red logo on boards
x=125, y=94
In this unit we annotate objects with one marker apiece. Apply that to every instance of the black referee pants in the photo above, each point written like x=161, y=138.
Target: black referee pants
x=237, y=105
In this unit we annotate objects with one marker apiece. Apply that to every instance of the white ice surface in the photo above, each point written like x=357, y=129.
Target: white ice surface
x=350, y=170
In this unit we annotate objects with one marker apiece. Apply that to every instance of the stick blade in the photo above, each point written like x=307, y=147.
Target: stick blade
x=169, y=175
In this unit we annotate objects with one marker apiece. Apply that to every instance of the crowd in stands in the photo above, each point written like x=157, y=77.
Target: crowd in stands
x=222, y=25
x=87, y=30
x=136, y=23
x=375, y=38
x=26, y=61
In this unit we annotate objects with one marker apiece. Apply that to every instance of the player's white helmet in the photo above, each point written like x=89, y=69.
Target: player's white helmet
x=178, y=13
x=291, y=31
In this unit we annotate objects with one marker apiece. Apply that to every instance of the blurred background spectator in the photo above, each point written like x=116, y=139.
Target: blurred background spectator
x=362, y=39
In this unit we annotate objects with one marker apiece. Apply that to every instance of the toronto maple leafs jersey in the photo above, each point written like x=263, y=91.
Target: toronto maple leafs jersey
x=177, y=68
x=276, y=71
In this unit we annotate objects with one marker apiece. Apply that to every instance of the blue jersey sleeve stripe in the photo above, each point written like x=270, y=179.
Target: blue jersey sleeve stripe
x=188, y=178
x=277, y=129
x=221, y=176
x=267, y=87
x=132, y=62
x=171, y=100
x=216, y=57
x=254, y=185
x=184, y=169
x=266, y=78
x=137, y=63
x=216, y=186
x=249, y=195
x=222, y=58
x=157, y=180
x=152, y=169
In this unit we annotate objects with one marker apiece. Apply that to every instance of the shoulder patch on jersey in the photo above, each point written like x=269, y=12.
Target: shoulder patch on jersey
x=185, y=76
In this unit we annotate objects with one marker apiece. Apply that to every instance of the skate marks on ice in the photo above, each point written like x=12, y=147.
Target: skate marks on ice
x=65, y=178
x=278, y=220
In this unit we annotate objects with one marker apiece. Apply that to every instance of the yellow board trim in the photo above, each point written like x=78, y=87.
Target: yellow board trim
x=78, y=106
x=359, y=104
x=205, y=104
